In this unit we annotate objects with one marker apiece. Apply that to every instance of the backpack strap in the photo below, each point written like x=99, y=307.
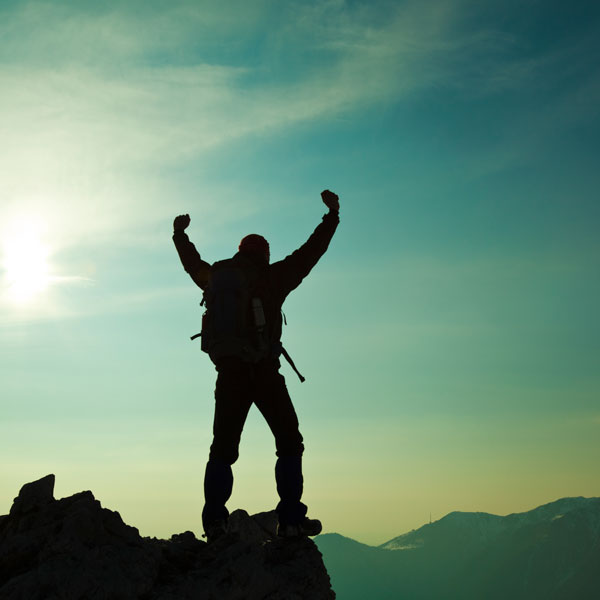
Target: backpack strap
x=203, y=303
x=289, y=359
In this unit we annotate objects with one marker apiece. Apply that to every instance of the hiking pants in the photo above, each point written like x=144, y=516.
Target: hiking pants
x=239, y=385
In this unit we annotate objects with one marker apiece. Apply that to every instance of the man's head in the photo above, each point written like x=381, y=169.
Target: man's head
x=255, y=244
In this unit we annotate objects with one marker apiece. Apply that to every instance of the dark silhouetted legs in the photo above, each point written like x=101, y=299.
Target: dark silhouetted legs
x=288, y=474
x=218, y=485
x=240, y=384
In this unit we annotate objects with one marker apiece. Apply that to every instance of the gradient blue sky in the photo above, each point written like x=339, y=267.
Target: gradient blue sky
x=450, y=336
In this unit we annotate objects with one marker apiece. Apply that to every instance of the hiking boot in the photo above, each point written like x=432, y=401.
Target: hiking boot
x=214, y=531
x=308, y=527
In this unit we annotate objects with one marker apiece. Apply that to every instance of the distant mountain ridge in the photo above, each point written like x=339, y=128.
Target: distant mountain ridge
x=487, y=526
x=550, y=552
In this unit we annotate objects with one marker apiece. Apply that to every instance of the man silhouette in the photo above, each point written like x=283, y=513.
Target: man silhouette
x=242, y=381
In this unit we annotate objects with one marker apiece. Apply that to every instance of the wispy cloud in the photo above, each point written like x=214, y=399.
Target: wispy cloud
x=109, y=95
x=97, y=103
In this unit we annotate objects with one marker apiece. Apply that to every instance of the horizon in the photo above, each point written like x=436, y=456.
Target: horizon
x=449, y=336
x=432, y=520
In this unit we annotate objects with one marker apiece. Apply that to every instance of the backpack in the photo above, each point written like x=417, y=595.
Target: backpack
x=233, y=323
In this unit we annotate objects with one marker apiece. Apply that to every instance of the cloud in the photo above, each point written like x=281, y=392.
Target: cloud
x=119, y=89
x=99, y=103
x=96, y=104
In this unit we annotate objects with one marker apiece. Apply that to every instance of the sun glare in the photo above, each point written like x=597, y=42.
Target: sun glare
x=25, y=263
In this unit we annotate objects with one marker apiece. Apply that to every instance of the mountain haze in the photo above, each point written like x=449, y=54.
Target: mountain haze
x=550, y=552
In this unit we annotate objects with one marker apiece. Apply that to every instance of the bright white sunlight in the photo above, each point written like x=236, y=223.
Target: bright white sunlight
x=25, y=263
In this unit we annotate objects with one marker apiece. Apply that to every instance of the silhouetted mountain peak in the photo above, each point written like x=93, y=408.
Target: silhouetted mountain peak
x=481, y=527
x=73, y=548
x=552, y=551
x=555, y=508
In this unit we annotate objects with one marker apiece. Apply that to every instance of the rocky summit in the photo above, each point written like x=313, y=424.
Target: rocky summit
x=73, y=549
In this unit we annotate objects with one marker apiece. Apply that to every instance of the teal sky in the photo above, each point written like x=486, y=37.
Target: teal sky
x=450, y=335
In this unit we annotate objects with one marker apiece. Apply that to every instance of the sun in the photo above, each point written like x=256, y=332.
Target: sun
x=25, y=264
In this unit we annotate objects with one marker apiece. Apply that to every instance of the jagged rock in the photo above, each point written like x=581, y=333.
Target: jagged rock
x=73, y=549
x=260, y=528
x=34, y=494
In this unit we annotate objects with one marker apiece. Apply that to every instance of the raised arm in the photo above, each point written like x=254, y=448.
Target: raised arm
x=290, y=271
x=194, y=266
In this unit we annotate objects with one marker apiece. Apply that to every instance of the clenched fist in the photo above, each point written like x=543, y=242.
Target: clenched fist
x=181, y=222
x=331, y=200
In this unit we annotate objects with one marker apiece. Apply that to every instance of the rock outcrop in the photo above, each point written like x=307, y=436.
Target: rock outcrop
x=73, y=549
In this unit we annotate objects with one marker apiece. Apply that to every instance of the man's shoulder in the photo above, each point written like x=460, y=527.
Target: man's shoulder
x=238, y=261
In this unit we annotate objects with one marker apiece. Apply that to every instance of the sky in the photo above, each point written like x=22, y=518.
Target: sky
x=449, y=336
